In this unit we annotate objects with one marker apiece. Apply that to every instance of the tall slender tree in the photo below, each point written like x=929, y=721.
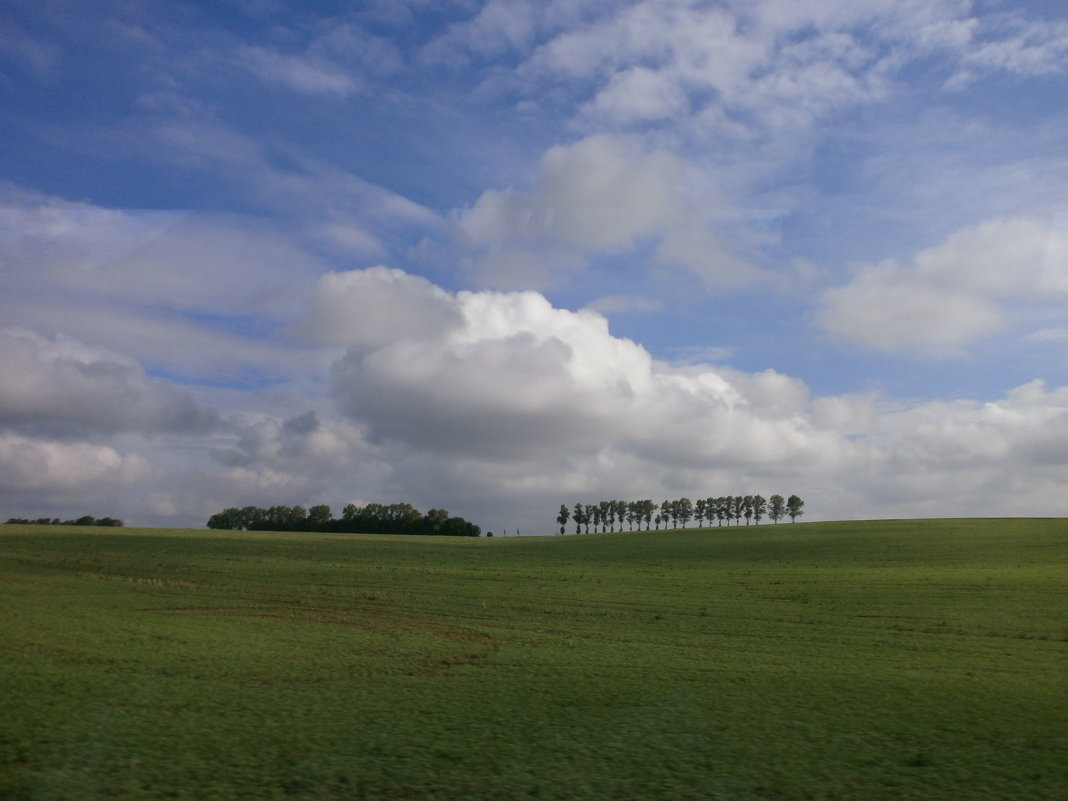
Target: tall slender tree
x=665, y=512
x=760, y=507
x=720, y=506
x=776, y=508
x=684, y=510
x=648, y=507
x=562, y=517
x=794, y=506
x=700, y=511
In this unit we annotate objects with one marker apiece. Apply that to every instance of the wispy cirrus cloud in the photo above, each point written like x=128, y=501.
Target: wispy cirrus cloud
x=298, y=73
x=1011, y=43
x=194, y=295
x=21, y=52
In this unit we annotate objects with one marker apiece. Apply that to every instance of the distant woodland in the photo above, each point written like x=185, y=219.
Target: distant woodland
x=374, y=518
x=84, y=520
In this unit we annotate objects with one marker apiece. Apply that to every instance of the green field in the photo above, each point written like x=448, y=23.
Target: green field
x=875, y=660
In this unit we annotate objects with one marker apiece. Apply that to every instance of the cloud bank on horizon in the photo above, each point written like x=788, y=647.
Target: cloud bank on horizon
x=499, y=255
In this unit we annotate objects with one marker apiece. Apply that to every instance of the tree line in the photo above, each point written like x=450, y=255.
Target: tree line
x=605, y=514
x=374, y=518
x=84, y=520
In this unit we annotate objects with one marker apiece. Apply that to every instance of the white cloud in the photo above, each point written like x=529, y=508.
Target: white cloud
x=330, y=205
x=296, y=460
x=775, y=64
x=61, y=386
x=886, y=308
x=951, y=294
x=350, y=237
x=1025, y=47
x=303, y=439
x=509, y=377
x=773, y=70
x=165, y=259
x=617, y=304
x=54, y=473
x=374, y=307
x=1048, y=335
x=500, y=407
x=781, y=17
x=521, y=404
x=499, y=26
x=192, y=294
x=638, y=93
x=174, y=343
x=944, y=170
x=298, y=73
x=602, y=195
x=966, y=458
x=703, y=115
x=329, y=196
x=352, y=48
x=21, y=50
x=337, y=60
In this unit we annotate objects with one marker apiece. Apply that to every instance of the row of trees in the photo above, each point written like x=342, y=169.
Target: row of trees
x=374, y=518
x=84, y=520
x=604, y=515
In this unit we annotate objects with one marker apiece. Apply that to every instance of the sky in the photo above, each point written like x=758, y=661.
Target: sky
x=495, y=256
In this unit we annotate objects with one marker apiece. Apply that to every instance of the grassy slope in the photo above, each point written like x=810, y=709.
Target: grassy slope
x=887, y=660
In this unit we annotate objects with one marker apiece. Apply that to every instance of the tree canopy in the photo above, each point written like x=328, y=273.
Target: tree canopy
x=604, y=515
x=84, y=520
x=374, y=518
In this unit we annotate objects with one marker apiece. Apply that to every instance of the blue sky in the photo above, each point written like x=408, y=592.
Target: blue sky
x=498, y=256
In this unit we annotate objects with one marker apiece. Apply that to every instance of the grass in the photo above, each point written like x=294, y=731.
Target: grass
x=876, y=660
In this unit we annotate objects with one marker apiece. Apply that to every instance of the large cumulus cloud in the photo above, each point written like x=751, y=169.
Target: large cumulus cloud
x=512, y=405
x=507, y=376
